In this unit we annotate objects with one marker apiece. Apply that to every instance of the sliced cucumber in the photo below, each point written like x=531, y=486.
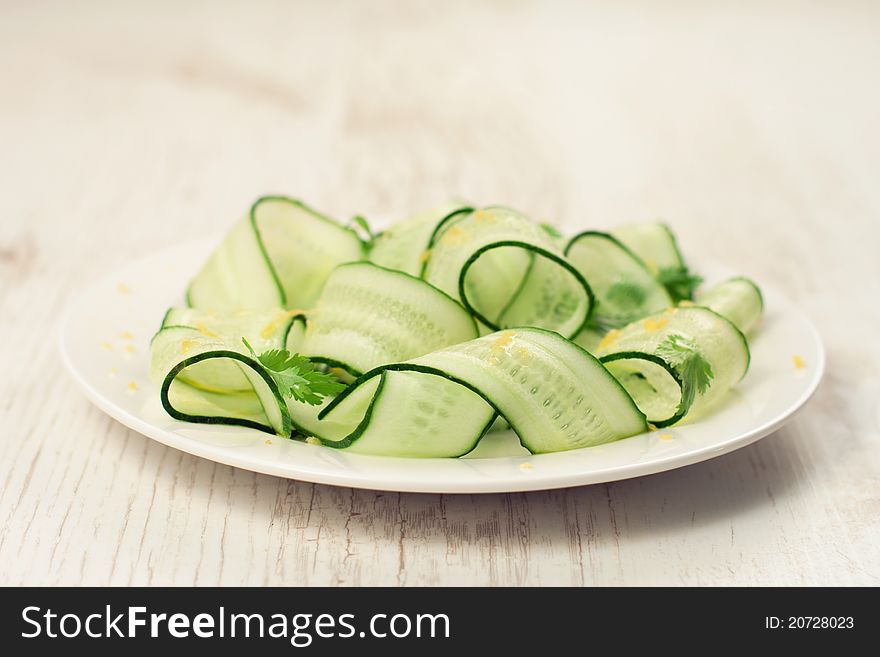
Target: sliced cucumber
x=343, y=423
x=205, y=379
x=270, y=327
x=643, y=354
x=279, y=255
x=653, y=242
x=738, y=299
x=368, y=316
x=654, y=385
x=625, y=290
x=237, y=275
x=508, y=271
x=203, y=371
x=589, y=338
x=554, y=394
x=416, y=414
x=404, y=246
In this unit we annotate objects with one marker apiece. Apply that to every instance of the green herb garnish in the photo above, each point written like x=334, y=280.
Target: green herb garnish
x=680, y=282
x=695, y=371
x=296, y=375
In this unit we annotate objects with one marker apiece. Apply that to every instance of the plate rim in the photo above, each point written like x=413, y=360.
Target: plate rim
x=359, y=480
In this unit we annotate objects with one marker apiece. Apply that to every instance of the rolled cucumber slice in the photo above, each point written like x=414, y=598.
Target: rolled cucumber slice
x=625, y=290
x=368, y=316
x=738, y=299
x=508, y=271
x=412, y=414
x=554, y=394
x=404, y=246
x=676, y=363
x=277, y=256
x=204, y=374
x=656, y=245
x=275, y=328
x=205, y=379
x=653, y=242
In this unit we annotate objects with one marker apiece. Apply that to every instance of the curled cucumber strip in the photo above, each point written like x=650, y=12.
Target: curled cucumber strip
x=552, y=393
x=508, y=271
x=677, y=363
x=277, y=256
x=368, y=315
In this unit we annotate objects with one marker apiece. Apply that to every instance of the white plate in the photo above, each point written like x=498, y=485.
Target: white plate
x=105, y=344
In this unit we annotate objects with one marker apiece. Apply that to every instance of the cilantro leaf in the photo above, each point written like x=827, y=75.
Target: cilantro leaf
x=695, y=371
x=680, y=282
x=296, y=376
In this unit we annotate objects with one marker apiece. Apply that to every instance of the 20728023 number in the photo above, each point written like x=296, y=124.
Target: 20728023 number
x=809, y=622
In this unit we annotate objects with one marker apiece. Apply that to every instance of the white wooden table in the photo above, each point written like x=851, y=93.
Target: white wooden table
x=752, y=129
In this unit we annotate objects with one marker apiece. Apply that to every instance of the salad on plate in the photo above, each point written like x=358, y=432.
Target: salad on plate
x=419, y=340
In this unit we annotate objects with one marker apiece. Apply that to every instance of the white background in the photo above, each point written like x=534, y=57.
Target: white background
x=752, y=128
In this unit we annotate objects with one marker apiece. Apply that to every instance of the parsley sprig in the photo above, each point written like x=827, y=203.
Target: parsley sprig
x=680, y=282
x=695, y=371
x=296, y=375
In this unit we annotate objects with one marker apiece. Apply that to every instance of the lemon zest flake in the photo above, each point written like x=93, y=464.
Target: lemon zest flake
x=504, y=339
x=506, y=336
x=608, y=340
x=652, y=325
x=798, y=362
x=201, y=328
x=267, y=331
x=455, y=236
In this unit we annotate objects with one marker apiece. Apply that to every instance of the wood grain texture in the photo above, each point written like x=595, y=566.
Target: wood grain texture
x=751, y=128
